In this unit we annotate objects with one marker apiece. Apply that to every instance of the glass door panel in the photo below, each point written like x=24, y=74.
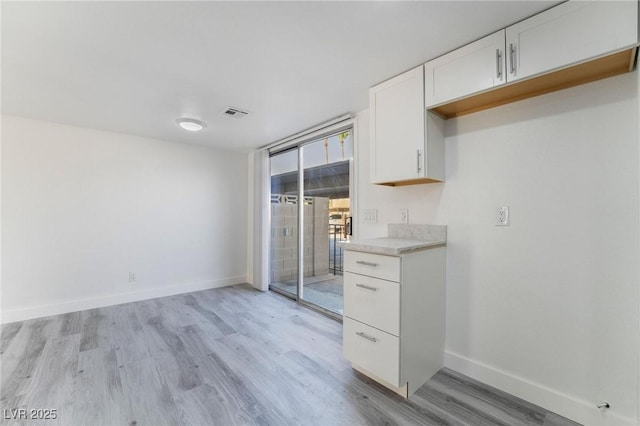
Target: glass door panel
x=284, y=223
x=326, y=165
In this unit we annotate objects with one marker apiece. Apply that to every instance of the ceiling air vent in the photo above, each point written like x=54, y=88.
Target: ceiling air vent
x=234, y=112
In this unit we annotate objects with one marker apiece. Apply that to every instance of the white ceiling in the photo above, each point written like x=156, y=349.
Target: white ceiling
x=134, y=67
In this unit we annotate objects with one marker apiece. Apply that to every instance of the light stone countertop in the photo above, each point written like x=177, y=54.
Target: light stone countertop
x=388, y=245
x=402, y=239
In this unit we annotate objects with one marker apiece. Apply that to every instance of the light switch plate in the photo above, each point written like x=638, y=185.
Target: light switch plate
x=404, y=215
x=370, y=216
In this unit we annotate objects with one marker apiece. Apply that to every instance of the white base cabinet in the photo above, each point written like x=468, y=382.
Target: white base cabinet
x=394, y=314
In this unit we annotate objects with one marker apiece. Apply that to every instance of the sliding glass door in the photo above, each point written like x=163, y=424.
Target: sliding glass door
x=310, y=187
x=284, y=222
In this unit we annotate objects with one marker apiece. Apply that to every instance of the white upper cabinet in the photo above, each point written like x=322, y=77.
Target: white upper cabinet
x=570, y=33
x=407, y=144
x=573, y=43
x=473, y=68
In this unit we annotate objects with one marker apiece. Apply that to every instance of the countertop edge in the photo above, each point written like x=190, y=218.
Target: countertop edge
x=390, y=251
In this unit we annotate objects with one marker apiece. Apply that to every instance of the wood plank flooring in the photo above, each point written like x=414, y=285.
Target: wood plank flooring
x=229, y=356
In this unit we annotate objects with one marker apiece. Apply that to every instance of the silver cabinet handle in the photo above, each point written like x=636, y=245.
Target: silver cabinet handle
x=366, y=287
x=499, y=64
x=512, y=58
x=366, y=336
x=362, y=262
x=419, y=157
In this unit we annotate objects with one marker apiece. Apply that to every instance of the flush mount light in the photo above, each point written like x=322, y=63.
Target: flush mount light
x=191, y=124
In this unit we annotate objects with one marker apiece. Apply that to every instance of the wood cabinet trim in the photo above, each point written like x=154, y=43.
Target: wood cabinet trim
x=575, y=75
x=410, y=182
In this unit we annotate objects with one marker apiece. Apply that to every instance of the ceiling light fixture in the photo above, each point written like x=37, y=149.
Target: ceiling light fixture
x=191, y=124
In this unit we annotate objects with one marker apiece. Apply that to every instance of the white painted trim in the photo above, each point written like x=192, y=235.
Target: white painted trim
x=31, y=312
x=551, y=399
x=260, y=218
x=265, y=221
x=353, y=179
x=251, y=207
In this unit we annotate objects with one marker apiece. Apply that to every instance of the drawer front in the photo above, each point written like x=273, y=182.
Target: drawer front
x=373, y=265
x=372, y=301
x=373, y=350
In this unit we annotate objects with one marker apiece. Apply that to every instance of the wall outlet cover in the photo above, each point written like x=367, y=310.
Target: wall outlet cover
x=502, y=216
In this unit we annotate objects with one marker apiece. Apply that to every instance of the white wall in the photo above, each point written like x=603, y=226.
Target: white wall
x=82, y=208
x=547, y=308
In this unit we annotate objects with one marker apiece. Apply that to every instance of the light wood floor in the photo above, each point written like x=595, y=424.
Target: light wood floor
x=325, y=291
x=221, y=357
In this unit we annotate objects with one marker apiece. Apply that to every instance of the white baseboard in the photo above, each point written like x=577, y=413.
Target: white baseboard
x=565, y=405
x=31, y=312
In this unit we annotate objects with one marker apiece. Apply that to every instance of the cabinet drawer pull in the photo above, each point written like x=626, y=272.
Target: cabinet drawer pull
x=366, y=336
x=499, y=64
x=512, y=58
x=366, y=287
x=362, y=262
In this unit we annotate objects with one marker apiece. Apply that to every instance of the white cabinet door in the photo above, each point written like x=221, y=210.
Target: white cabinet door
x=570, y=33
x=398, y=128
x=471, y=69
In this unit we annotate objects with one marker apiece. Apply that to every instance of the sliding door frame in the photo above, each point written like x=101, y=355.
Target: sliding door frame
x=300, y=283
x=311, y=137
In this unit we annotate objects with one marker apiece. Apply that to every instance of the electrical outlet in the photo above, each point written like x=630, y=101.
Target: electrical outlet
x=132, y=277
x=502, y=216
x=370, y=216
x=404, y=215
